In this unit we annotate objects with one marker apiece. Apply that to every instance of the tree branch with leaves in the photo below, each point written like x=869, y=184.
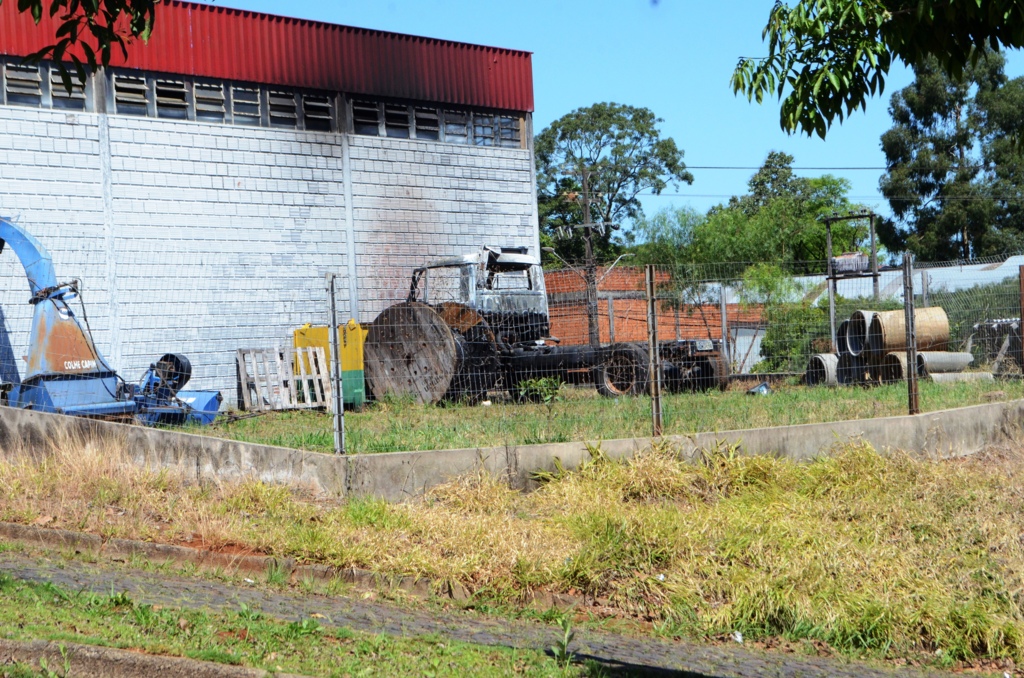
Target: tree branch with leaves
x=827, y=57
x=88, y=31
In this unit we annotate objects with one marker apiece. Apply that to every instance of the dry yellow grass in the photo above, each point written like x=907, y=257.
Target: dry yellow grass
x=889, y=556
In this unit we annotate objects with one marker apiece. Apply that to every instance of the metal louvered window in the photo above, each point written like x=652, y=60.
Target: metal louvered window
x=427, y=124
x=456, y=127
x=245, y=106
x=317, y=113
x=130, y=95
x=172, y=99
x=366, y=118
x=59, y=94
x=396, y=121
x=484, y=128
x=284, y=109
x=180, y=98
x=23, y=84
x=210, y=100
x=509, y=134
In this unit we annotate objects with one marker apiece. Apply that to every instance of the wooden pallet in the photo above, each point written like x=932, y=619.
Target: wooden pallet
x=267, y=379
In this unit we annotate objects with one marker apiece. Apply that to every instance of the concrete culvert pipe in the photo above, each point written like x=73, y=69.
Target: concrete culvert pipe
x=841, y=345
x=888, y=330
x=935, y=362
x=857, y=332
x=851, y=370
x=894, y=368
x=955, y=377
x=822, y=369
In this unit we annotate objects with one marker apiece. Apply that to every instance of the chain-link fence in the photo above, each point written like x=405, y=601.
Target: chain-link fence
x=773, y=329
x=486, y=348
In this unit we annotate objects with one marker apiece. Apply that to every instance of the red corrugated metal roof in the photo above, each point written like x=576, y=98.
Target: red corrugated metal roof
x=217, y=42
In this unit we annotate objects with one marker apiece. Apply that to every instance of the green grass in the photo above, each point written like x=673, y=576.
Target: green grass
x=886, y=557
x=245, y=637
x=584, y=415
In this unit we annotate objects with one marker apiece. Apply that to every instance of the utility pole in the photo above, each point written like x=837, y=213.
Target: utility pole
x=590, y=264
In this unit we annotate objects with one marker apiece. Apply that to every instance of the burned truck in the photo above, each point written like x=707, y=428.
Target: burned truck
x=479, y=323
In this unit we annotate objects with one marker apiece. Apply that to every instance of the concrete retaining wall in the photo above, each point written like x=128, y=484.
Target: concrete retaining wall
x=400, y=475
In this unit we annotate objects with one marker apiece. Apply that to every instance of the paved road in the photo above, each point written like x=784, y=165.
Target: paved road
x=624, y=655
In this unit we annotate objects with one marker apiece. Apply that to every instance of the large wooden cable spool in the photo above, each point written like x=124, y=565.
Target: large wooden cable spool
x=430, y=353
x=477, y=366
x=409, y=351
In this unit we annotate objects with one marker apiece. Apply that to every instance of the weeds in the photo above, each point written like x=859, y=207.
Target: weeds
x=246, y=639
x=580, y=414
x=872, y=555
x=563, y=655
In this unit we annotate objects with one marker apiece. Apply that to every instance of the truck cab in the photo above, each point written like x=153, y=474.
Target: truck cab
x=505, y=285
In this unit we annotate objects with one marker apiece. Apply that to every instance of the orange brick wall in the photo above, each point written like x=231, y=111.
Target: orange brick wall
x=569, y=320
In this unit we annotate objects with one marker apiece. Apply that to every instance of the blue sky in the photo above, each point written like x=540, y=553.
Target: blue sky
x=674, y=57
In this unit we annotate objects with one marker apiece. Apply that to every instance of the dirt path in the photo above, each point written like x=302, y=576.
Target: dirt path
x=624, y=655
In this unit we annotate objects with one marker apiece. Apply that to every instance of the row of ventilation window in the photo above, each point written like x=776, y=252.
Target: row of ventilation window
x=219, y=102
x=420, y=122
x=130, y=94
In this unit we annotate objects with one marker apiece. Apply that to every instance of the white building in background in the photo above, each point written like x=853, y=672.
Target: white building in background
x=202, y=190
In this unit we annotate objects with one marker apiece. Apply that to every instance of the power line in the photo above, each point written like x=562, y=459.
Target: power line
x=797, y=169
x=908, y=198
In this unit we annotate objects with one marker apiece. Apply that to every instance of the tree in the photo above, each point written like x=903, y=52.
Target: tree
x=666, y=238
x=937, y=181
x=90, y=30
x=626, y=154
x=779, y=221
x=773, y=180
x=1002, y=122
x=826, y=57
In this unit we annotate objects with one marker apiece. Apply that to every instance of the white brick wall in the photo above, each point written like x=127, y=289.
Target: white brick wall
x=415, y=201
x=211, y=238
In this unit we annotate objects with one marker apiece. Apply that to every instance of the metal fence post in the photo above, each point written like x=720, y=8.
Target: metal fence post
x=725, y=323
x=914, y=405
x=1020, y=273
x=338, y=395
x=654, y=354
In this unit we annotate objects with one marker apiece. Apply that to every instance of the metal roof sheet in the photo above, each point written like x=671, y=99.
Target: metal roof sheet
x=217, y=42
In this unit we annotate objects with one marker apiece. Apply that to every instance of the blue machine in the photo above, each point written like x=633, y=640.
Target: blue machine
x=66, y=373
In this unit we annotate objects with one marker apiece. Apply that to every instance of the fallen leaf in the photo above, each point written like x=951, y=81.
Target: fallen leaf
x=183, y=624
x=317, y=615
x=43, y=520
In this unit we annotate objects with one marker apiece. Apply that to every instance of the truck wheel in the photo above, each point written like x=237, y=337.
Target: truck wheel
x=708, y=373
x=624, y=371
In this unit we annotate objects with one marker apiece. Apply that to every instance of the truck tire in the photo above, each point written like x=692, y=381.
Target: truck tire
x=709, y=372
x=623, y=371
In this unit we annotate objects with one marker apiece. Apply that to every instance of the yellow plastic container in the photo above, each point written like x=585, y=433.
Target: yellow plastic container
x=351, y=337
